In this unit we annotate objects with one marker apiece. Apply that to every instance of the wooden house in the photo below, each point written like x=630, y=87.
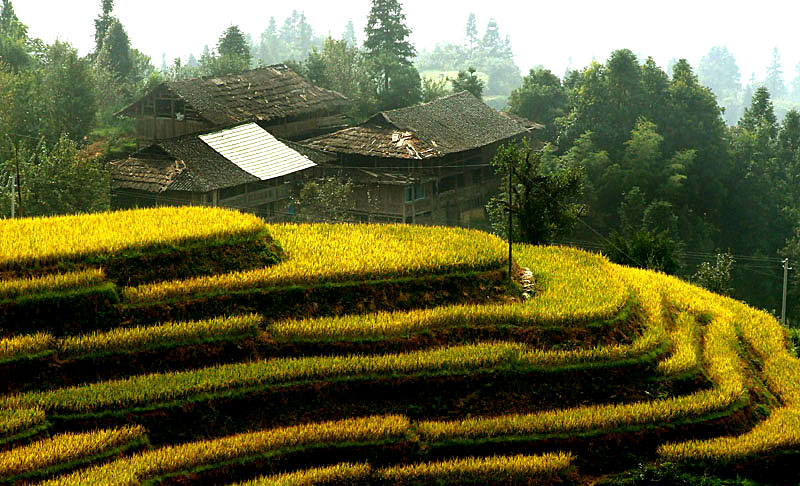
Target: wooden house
x=425, y=164
x=275, y=97
x=242, y=167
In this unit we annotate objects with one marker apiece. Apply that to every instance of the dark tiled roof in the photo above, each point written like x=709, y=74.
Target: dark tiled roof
x=201, y=168
x=188, y=164
x=374, y=141
x=147, y=174
x=456, y=123
x=264, y=94
x=529, y=124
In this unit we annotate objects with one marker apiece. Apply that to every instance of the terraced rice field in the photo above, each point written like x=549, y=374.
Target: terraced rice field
x=380, y=355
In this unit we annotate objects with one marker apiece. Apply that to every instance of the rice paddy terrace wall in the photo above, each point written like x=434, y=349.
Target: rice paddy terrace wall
x=197, y=346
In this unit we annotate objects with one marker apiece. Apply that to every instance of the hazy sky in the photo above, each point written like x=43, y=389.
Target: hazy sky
x=547, y=33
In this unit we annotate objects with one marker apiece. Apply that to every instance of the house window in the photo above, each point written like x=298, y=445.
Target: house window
x=414, y=192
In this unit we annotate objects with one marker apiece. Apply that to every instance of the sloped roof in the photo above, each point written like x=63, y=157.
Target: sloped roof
x=264, y=94
x=256, y=151
x=188, y=163
x=455, y=123
x=374, y=140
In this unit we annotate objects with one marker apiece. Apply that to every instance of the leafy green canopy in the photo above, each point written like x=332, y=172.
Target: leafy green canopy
x=545, y=191
x=396, y=81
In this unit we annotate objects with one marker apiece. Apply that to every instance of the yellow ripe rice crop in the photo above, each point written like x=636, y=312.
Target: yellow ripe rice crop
x=11, y=289
x=143, y=390
x=579, y=419
x=17, y=420
x=49, y=239
x=27, y=345
x=575, y=284
x=122, y=340
x=455, y=471
x=146, y=466
x=164, y=387
x=129, y=339
x=480, y=469
x=343, y=473
x=686, y=352
x=65, y=448
x=781, y=430
x=578, y=287
x=327, y=253
x=779, y=370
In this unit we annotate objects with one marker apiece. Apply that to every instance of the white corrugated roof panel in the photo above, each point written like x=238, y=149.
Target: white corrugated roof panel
x=256, y=151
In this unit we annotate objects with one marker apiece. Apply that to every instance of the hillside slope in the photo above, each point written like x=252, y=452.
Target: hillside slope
x=358, y=354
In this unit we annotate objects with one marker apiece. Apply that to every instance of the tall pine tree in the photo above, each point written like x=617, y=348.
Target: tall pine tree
x=14, y=49
x=397, y=82
x=472, y=33
x=102, y=23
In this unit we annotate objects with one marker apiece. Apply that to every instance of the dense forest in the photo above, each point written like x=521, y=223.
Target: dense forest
x=686, y=170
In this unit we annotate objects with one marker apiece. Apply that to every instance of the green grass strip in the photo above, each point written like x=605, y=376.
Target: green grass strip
x=518, y=469
x=65, y=450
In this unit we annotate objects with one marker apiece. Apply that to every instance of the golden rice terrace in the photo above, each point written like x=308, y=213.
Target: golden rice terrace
x=201, y=346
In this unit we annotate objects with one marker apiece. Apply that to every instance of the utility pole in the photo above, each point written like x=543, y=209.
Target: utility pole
x=786, y=269
x=13, y=186
x=510, y=219
x=19, y=189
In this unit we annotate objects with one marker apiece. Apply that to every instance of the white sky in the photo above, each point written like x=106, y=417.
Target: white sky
x=547, y=33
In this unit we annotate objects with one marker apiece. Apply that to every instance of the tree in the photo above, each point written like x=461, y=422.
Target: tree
x=544, y=202
x=541, y=99
x=233, y=48
x=717, y=278
x=472, y=33
x=232, y=55
x=267, y=52
x=102, y=24
x=774, y=81
x=67, y=86
x=115, y=55
x=433, y=89
x=327, y=199
x=296, y=37
x=58, y=179
x=469, y=81
x=396, y=81
x=644, y=249
x=341, y=67
x=608, y=101
x=718, y=70
x=492, y=45
x=349, y=35
x=761, y=114
x=14, y=45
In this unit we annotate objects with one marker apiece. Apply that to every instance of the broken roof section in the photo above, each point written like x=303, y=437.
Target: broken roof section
x=455, y=123
x=264, y=94
x=207, y=162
